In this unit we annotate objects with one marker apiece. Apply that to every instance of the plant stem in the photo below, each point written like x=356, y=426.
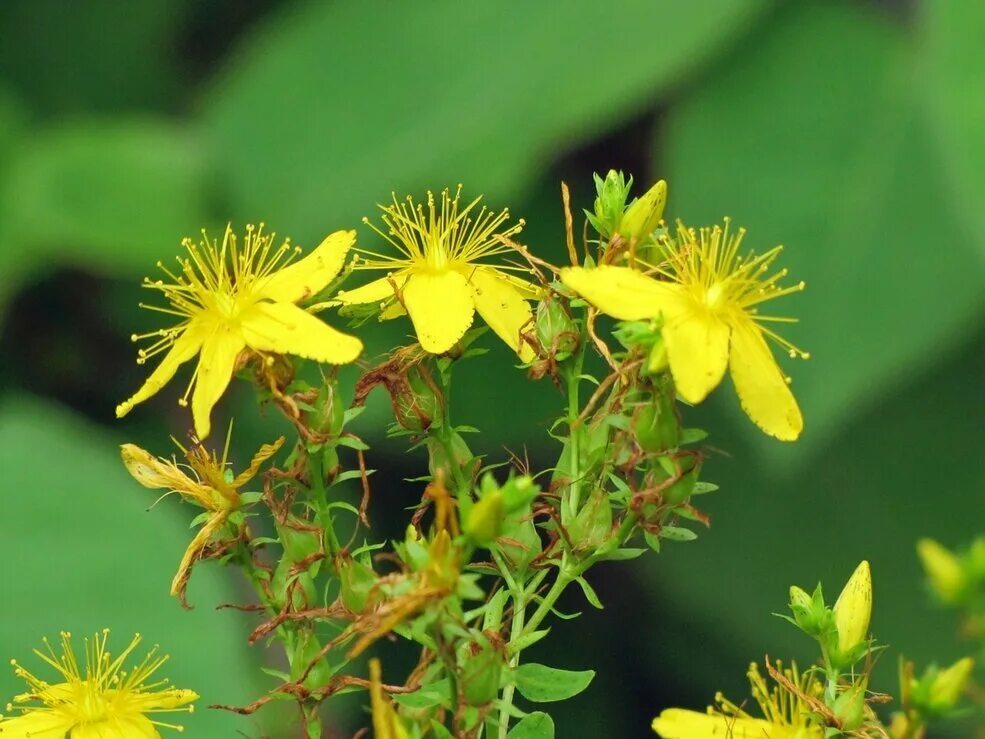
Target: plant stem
x=516, y=629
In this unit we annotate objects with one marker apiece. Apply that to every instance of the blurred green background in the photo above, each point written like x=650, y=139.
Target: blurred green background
x=852, y=132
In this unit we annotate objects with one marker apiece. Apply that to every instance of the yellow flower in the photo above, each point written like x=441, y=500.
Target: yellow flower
x=97, y=700
x=853, y=609
x=708, y=296
x=440, y=277
x=386, y=722
x=210, y=489
x=232, y=296
x=786, y=714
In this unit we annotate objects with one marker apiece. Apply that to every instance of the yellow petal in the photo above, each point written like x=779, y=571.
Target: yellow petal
x=284, y=328
x=440, y=306
x=763, y=390
x=194, y=552
x=679, y=723
x=306, y=277
x=265, y=453
x=156, y=474
x=183, y=349
x=36, y=725
x=215, y=370
x=502, y=307
x=697, y=350
x=623, y=293
x=372, y=292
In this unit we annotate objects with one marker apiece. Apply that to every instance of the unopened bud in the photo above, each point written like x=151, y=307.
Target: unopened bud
x=944, y=571
x=555, y=329
x=853, y=609
x=949, y=684
x=356, y=582
x=593, y=524
x=482, y=673
x=849, y=708
x=643, y=216
x=519, y=542
x=485, y=519
x=609, y=203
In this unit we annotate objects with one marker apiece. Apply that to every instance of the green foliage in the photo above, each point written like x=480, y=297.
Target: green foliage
x=534, y=726
x=64, y=492
x=542, y=684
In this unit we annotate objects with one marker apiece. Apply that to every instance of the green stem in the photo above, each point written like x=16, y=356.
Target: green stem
x=516, y=629
x=564, y=578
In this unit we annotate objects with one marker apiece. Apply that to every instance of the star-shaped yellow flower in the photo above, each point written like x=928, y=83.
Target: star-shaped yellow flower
x=708, y=297
x=786, y=715
x=210, y=489
x=97, y=700
x=441, y=277
x=231, y=297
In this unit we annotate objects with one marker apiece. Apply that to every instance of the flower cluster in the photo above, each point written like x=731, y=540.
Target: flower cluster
x=642, y=323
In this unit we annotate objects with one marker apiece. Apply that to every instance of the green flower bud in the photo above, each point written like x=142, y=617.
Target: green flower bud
x=643, y=216
x=555, y=329
x=519, y=493
x=485, y=519
x=482, y=672
x=802, y=607
x=849, y=707
x=944, y=571
x=852, y=612
x=655, y=423
x=356, y=580
x=609, y=203
x=593, y=524
x=519, y=541
x=329, y=411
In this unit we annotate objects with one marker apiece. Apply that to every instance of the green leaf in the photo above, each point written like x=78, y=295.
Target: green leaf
x=114, y=196
x=490, y=112
x=590, y=595
x=542, y=684
x=953, y=68
x=83, y=553
x=821, y=146
x=536, y=725
x=440, y=731
x=676, y=533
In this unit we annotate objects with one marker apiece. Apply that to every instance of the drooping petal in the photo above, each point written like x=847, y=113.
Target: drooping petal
x=697, y=350
x=265, y=453
x=762, y=388
x=162, y=700
x=372, y=292
x=679, y=723
x=157, y=474
x=310, y=274
x=441, y=307
x=134, y=727
x=184, y=348
x=502, y=307
x=194, y=552
x=284, y=328
x=215, y=370
x=41, y=724
x=622, y=292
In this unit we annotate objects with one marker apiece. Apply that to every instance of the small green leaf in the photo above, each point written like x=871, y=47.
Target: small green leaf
x=536, y=725
x=528, y=640
x=676, y=533
x=590, y=595
x=542, y=684
x=440, y=731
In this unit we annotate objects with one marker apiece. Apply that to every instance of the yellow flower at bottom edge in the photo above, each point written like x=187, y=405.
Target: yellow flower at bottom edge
x=234, y=296
x=97, y=700
x=708, y=296
x=785, y=715
x=438, y=276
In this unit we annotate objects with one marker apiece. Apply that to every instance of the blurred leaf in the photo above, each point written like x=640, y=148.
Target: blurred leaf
x=954, y=68
x=821, y=145
x=67, y=57
x=81, y=552
x=329, y=109
x=112, y=196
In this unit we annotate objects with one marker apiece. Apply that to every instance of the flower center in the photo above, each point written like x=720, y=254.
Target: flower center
x=715, y=297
